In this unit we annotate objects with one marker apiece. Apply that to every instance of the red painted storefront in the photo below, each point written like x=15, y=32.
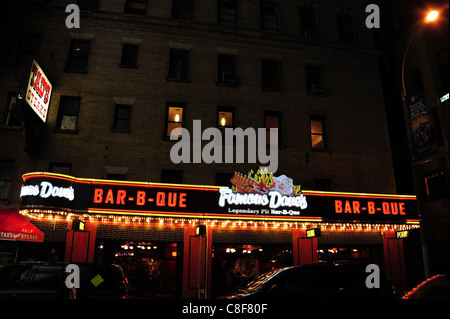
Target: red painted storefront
x=59, y=198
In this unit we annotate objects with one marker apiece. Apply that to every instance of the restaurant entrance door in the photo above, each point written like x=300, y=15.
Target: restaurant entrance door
x=153, y=268
x=235, y=265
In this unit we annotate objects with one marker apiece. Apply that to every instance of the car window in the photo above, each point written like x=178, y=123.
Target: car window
x=46, y=277
x=14, y=276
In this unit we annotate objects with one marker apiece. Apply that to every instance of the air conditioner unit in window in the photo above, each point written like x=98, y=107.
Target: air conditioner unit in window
x=318, y=88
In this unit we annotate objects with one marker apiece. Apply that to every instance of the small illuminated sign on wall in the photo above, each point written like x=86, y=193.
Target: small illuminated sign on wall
x=401, y=234
x=313, y=232
x=444, y=98
x=39, y=90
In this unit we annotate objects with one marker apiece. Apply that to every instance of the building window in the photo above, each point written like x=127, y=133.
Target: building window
x=271, y=75
x=174, y=119
x=67, y=118
x=78, y=56
x=223, y=179
x=11, y=116
x=308, y=22
x=322, y=184
x=345, y=27
x=6, y=170
x=314, y=80
x=122, y=117
x=88, y=5
x=182, y=10
x=28, y=47
x=318, y=133
x=226, y=12
x=171, y=176
x=226, y=70
x=178, y=68
x=60, y=168
x=273, y=120
x=225, y=117
x=129, y=55
x=269, y=16
x=136, y=7
x=435, y=185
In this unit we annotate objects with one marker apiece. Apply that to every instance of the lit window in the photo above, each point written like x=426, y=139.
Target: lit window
x=318, y=136
x=175, y=119
x=272, y=120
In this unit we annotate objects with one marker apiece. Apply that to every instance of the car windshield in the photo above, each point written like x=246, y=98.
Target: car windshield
x=258, y=282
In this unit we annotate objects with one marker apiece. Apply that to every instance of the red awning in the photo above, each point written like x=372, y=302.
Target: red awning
x=14, y=226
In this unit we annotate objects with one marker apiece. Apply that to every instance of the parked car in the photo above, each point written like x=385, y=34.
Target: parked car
x=48, y=280
x=435, y=287
x=315, y=281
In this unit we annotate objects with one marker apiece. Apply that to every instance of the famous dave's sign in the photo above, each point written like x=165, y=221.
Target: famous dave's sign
x=251, y=196
x=38, y=91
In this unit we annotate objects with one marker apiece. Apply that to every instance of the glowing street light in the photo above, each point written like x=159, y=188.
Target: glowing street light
x=432, y=15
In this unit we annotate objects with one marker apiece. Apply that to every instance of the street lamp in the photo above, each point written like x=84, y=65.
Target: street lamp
x=431, y=17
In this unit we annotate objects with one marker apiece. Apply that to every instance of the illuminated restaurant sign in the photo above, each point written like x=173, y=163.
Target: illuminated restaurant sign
x=38, y=91
x=265, y=191
x=255, y=196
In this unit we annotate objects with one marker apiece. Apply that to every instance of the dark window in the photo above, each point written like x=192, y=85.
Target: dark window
x=47, y=277
x=129, y=55
x=322, y=184
x=417, y=83
x=136, y=7
x=308, y=22
x=271, y=75
x=60, y=168
x=122, y=117
x=78, y=56
x=272, y=120
x=6, y=170
x=182, y=10
x=314, y=80
x=226, y=12
x=171, y=176
x=116, y=177
x=174, y=119
x=67, y=119
x=28, y=47
x=179, y=61
x=435, y=184
x=14, y=277
x=345, y=26
x=223, y=179
x=269, y=16
x=227, y=69
x=318, y=133
x=11, y=116
x=88, y=5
